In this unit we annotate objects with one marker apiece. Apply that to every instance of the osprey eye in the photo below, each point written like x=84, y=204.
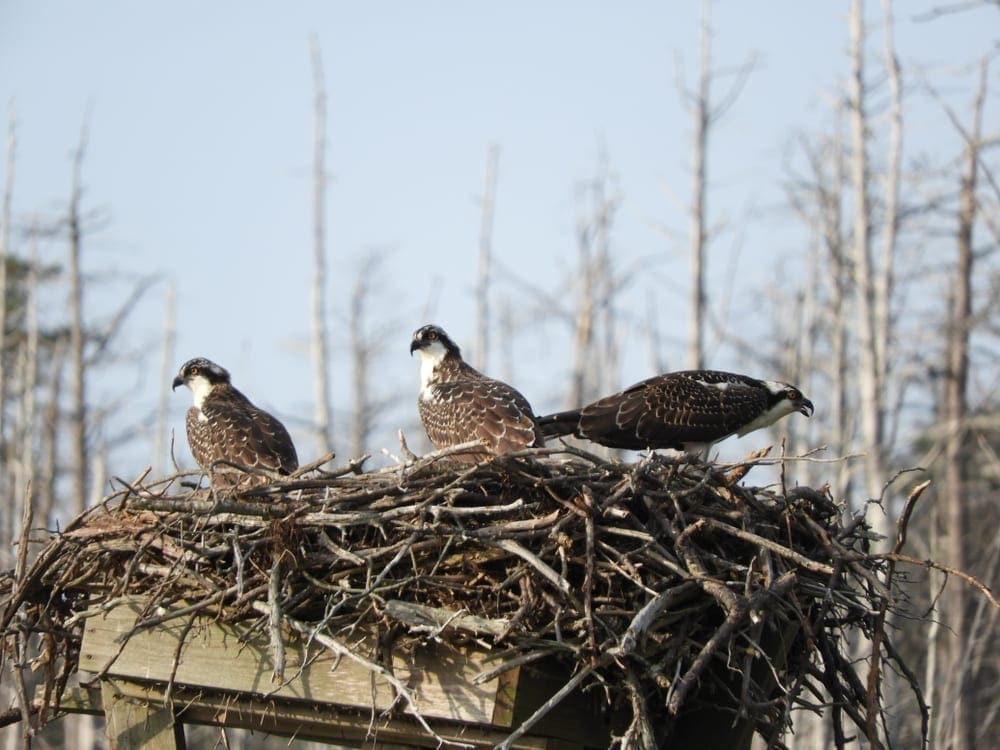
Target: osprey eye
x=432, y=335
x=194, y=370
x=793, y=394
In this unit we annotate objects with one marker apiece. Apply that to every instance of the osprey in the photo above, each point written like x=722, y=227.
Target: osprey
x=686, y=411
x=458, y=404
x=223, y=425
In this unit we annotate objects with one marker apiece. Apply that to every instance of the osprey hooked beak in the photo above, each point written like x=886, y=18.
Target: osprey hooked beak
x=177, y=381
x=414, y=345
x=804, y=406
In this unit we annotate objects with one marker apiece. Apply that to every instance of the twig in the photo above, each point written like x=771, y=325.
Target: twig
x=420, y=616
x=779, y=549
x=274, y=619
x=967, y=577
x=778, y=589
x=509, y=545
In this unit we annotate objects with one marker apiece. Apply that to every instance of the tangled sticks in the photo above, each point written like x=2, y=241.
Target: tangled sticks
x=664, y=588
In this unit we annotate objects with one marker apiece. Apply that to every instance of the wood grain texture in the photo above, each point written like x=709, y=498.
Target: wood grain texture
x=213, y=657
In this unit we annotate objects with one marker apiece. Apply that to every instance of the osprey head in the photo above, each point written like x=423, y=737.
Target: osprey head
x=432, y=342
x=787, y=398
x=200, y=375
x=434, y=347
x=783, y=400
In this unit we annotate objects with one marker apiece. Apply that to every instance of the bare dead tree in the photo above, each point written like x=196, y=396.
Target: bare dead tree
x=483, y=275
x=505, y=322
x=364, y=349
x=79, y=459
x=705, y=113
x=6, y=521
x=803, y=354
x=817, y=198
x=873, y=283
x=322, y=420
x=29, y=384
x=167, y=366
x=654, y=335
x=885, y=279
x=598, y=284
x=871, y=404
x=955, y=417
x=839, y=285
x=584, y=319
x=49, y=434
x=608, y=277
x=698, y=240
x=80, y=728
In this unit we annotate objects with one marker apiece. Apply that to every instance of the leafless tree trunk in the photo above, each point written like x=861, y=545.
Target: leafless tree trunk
x=608, y=281
x=80, y=729
x=482, y=348
x=584, y=323
x=79, y=460
x=29, y=383
x=862, y=257
x=49, y=439
x=654, y=336
x=323, y=420
x=167, y=366
x=505, y=322
x=705, y=113
x=595, y=335
x=698, y=239
x=885, y=280
x=955, y=417
x=6, y=512
x=803, y=354
x=364, y=347
x=872, y=284
x=839, y=291
x=818, y=201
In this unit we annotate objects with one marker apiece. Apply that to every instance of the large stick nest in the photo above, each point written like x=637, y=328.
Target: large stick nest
x=662, y=585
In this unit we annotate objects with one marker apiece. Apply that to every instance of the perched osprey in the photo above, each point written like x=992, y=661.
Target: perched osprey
x=459, y=404
x=223, y=425
x=686, y=411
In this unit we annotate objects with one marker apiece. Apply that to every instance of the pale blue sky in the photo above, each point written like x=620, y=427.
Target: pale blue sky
x=200, y=148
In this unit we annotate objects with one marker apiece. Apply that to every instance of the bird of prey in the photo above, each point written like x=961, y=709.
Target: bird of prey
x=223, y=425
x=458, y=404
x=687, y=411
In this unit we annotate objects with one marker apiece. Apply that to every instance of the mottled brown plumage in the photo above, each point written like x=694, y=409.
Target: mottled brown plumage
x=458, y=404
x=224, y=426
x=686, y=410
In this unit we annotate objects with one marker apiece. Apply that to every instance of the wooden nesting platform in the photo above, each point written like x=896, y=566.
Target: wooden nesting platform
x=218, y=676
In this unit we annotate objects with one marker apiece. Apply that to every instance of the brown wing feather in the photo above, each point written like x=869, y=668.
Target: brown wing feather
x=479, y=409
x=236, y=430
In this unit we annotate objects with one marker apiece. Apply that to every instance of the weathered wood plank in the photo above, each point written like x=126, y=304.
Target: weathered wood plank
x=305, y=721
x=213, y=656
x=138, y=724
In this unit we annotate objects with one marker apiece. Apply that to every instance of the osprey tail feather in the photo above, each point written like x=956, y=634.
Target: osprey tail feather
x=560, y=424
